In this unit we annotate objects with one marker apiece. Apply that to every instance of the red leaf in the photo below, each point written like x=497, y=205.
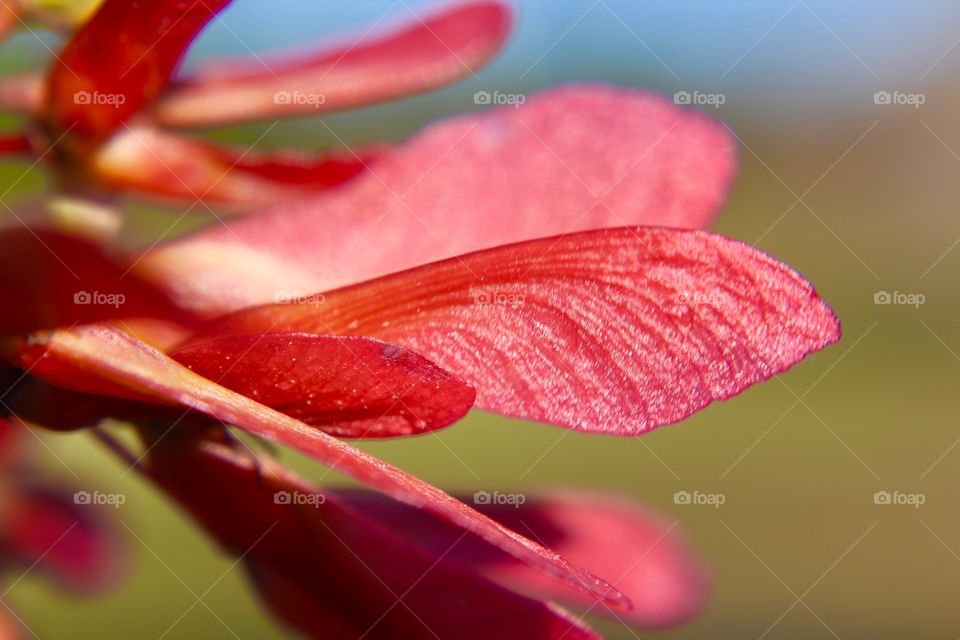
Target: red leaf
x=147, y=160
x=647, y=555
x=10, y=628
x=615, y=331
x=38, y=403
x=350, y=387
x=9, y=20
x=576, y=158
x=47, y=529
x=49, y=279
x=120, y=60
x=15, y=143
x=72, y=542
x=331, y=572
x=424, y=55
x=11, y=435
x=22, y=93
x=101, y=359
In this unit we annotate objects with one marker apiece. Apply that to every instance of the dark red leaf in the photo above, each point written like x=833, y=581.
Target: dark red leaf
x=38, y=403
x=50, y=279
x=102, y=359
x=646, y=555
x=329, y=571
x=350, y=387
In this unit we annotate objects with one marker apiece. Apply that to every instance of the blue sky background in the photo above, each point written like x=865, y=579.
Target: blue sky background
x=698, y=42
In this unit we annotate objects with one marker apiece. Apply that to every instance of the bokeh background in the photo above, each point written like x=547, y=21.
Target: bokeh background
x=860, y=197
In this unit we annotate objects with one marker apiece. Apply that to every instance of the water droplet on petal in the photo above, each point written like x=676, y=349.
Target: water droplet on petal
x=392, y=351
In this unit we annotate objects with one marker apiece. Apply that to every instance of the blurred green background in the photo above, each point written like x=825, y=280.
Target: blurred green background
x=859, y=197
